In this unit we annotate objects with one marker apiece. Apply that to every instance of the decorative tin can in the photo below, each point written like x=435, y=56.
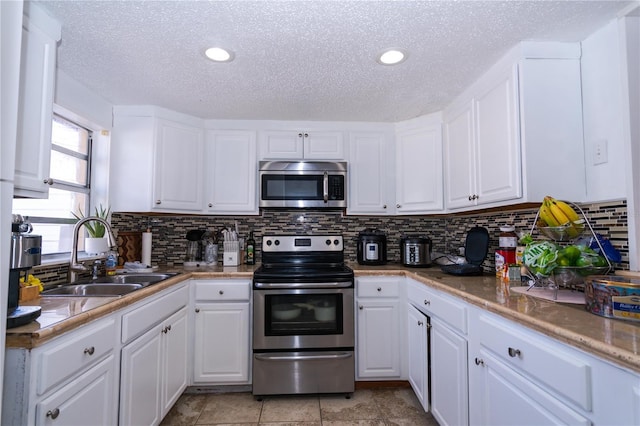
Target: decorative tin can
x=613, y=296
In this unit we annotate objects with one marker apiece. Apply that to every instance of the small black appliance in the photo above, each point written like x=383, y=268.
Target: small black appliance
x=372, y=247
x=475, y=251
x=26, y=252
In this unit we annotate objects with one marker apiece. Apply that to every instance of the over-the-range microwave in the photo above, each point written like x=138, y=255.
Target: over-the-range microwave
x=303, y=184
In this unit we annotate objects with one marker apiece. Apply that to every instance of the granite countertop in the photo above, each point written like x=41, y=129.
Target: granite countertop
x=611, y=339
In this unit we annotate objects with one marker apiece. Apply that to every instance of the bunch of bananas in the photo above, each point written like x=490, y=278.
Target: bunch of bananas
x=31, y=281
x=555, y=213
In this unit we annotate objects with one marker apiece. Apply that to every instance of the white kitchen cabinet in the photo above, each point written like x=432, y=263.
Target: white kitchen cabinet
x=482, y=149
x=418, y=354
x=301, y=145
x=154, y=357
x=370, y=174
x=231, y=167
x=419, y=169
x=516, y=373
x=378, y=322
x=446, y=361
x=222, y=332
x=67, y=380
x=40, y=35
x=517, y=132
x=178, y=169
x=88, y=399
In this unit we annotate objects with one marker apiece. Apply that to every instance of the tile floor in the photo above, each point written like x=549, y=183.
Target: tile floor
x=375, y=407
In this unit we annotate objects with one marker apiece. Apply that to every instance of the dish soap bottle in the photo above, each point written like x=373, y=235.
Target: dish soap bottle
x=111, y=263
x=251, y=249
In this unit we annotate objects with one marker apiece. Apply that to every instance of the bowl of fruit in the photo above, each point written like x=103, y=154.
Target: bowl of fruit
x=559, y=221
x=575, y=262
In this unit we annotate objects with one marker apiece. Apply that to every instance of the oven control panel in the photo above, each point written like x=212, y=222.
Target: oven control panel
x=301, y=243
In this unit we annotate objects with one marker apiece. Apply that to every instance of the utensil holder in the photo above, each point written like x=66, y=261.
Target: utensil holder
x=231, y=255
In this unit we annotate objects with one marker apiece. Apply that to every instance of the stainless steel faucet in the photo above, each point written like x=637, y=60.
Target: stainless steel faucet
x=74, y=266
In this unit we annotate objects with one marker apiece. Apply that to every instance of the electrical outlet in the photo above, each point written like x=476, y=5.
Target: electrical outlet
x=600, y=155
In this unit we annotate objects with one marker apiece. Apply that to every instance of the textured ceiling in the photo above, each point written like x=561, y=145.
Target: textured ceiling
x=302, y=60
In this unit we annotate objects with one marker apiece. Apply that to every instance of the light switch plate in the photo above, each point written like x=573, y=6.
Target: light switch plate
x=600, y=155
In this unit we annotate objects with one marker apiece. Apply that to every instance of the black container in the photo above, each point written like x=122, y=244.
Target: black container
x=372, y=247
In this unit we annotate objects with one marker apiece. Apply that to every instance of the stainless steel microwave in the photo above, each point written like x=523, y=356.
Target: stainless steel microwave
x=303, y=184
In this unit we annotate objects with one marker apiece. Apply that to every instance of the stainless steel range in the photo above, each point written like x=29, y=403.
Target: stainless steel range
x=303, y=317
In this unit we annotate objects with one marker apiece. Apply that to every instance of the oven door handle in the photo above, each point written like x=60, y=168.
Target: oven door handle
x=280, y=285
x=314, y=357
x=325, y=187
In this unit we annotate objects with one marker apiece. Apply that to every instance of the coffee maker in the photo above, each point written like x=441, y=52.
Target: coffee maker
x=194, y=254
x=26, y=251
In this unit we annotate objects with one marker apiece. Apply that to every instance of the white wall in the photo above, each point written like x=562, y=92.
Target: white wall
x=603, y=114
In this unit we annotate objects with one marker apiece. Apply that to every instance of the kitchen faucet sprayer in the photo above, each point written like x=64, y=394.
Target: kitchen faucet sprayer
x=74, y=266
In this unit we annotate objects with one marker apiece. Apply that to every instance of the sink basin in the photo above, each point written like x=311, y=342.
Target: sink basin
x=93, y=289
x=116, y=285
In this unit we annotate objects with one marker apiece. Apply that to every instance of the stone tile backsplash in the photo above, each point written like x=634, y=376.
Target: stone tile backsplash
x=447, y=232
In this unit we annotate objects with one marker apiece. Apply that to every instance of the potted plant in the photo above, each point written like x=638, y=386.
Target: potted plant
x=95, y=242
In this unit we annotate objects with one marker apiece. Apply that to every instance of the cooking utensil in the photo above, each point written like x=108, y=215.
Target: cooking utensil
x=285, y=312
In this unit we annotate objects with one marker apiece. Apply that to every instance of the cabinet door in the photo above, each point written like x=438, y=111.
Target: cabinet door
x=498, y=173
x=378, y=339
x=281, y=145
x=141, y=378
x=323, y=146
x=178, y=170
x=221, y=347
x=88, y=399
x=418, y=355
x=369, y=174
x=231, y=170
x=505, y=397
x=419, y=170
x=449, y=389
x=35, y=110
x=459, y=168
x=175, y=352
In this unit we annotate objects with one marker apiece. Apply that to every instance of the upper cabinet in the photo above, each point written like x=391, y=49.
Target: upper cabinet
x=231, y=169
x=40, y=36
x=167, y=165
x=301, y=145
x=419, y=166
x=371, y=180
x=516, y=134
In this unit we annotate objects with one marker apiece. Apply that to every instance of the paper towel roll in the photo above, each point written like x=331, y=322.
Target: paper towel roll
x=146, y=248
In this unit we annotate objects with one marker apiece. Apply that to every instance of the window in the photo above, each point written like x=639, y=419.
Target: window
x=71, y=174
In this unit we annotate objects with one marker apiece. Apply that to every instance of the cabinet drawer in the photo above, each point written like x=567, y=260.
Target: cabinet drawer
x=223, y=290
x=74, y=353
x=432, y=302
x=551, y=363
x=377, y=287
x=146, y=316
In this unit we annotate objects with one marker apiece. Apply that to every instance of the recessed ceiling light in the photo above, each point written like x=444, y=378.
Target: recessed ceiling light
x=392, y=57
x=218, y=54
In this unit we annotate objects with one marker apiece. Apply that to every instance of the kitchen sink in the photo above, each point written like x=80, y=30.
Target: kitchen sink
x=116, y=285
x=93, y=289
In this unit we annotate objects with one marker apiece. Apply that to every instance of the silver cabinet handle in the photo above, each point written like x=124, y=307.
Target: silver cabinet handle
x=398, y=206
x=514, y=352
x=53, y=413
x=221, y=292
x=48, y=181
x=384, y=207
x=361, y=307
x=427, y=302
x=420, y=323
x=379, y=288
x=166, y=329
x=89, y=351
x=300, y=134
x=210, y=204
x=158, y=202
x=197, y=310
x=479, y=361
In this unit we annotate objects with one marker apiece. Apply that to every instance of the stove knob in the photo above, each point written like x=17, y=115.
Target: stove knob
x=336, y=242
x=277, y=242
x=269, y=243
x=328, y=242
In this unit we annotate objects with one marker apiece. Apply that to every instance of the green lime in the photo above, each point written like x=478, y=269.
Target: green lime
x=572, y=253
x=599, y=261
x=584, y=261
x=563, y=260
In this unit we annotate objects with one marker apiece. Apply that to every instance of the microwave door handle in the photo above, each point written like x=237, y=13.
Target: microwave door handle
x=325, y=187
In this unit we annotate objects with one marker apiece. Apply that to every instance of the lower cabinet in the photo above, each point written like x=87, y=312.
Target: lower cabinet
x=378, y=324
x=418, y=351
x=154, y=371
x=222, y=332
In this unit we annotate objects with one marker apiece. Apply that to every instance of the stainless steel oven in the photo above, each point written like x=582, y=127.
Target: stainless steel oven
x=303, y=317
